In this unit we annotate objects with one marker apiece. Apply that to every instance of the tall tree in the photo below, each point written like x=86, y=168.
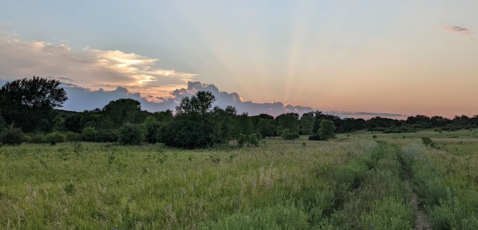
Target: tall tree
x=195, y=125
x=124, y=111
x=29, y=103
x=326, y=130
x=307, y=123
x=289, y=121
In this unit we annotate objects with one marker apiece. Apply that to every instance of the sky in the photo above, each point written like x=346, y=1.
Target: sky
x=372, y=57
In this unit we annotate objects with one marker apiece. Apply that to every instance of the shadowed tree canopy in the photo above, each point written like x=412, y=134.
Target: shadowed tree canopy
x=124, y=111
x=199, y=104
x=28, y=103
x=195, y=125
x=326, y=130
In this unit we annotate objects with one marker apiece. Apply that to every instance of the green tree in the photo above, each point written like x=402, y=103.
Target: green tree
x=241, y=140
x=55, y=137
x=288, y=135
x=2, y=122
x=289, y=121
x=245, y=124
x=254, y=139
x=124, y=111
x=266, y=127
x=12, y=136
x=326, y=130
x=29, y=103
x=89, y=134
x=307, y=122
x=152, y=129
x=131, y=134
x=194, y=125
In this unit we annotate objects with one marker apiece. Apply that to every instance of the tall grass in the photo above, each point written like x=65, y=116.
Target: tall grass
x=104, y=186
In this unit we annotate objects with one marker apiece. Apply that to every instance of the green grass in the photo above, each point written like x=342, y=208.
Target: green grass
x=353, y=182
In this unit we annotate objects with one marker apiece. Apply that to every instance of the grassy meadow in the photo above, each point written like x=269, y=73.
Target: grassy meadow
x=360, y=180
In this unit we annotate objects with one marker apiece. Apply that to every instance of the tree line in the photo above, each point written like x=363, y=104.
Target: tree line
x=31, y=106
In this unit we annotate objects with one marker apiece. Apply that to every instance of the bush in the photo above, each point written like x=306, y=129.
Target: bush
x=37, y=138
x=107, y=135
x=190, y=133
x=12, y=136
x=89, y=134
x=131, y=134
x=315, y=137
x=253, y=139
x=27, y=139
x=73, y=137
x=152, y=132
x=55, y=137
x=2, y=122
x=241, y=140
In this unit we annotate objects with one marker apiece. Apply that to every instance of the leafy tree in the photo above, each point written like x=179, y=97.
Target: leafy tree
x=163, y=116
x=241, y=140
x=12, y=136
x=124, y=111
x=89, y=134
x=254, y=139
x=2, y=122
x=107, y=135
x=152, y=129
x=55, y=137
x=307, y=123
x=195, y=125
x=288, y=135
x=231, y=111
x=245, y=124
x=266, y=127
x=289, y=121
x=29, y=103
x=131, y=134
x=326, y=130
x=196, y=105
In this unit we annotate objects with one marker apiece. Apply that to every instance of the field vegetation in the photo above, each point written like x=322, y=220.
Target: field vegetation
x=353, y=182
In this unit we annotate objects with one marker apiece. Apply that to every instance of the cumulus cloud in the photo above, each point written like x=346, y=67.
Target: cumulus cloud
x=80, y=99
x=458, y=30
x=89, y=68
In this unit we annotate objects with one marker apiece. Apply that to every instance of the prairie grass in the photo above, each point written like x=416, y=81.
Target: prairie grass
x=104, y=186
x=352, y=182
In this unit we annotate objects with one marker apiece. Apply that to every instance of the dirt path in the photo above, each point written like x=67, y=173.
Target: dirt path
x=421, y=219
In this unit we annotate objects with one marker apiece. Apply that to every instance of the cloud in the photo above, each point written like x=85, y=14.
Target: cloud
x=80, y=99
x=89, y=68
x=458, y=30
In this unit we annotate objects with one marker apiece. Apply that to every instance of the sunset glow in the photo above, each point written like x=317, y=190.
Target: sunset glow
x=404, y=57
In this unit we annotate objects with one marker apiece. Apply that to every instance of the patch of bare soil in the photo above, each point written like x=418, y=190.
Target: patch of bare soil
x=421, y=219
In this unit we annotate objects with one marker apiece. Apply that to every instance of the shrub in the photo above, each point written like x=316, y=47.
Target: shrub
x=73, y=137
x=152, y=132
x=12, y=136
x=55, y=137
x=107, y=135
x=89, y=134
x=253, y=139
x=2, y=122
x=241, y=140
x=314, y=137
x=131, y=134
x=37, y=138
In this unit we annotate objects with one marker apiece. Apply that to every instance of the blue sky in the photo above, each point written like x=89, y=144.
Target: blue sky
x=407, y=57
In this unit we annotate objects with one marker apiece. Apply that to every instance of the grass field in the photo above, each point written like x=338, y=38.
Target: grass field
x=356, y=181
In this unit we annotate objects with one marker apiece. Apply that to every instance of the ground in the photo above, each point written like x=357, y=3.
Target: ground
x=356, y=181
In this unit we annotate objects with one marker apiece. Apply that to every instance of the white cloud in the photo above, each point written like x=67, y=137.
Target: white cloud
x=89, y=68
